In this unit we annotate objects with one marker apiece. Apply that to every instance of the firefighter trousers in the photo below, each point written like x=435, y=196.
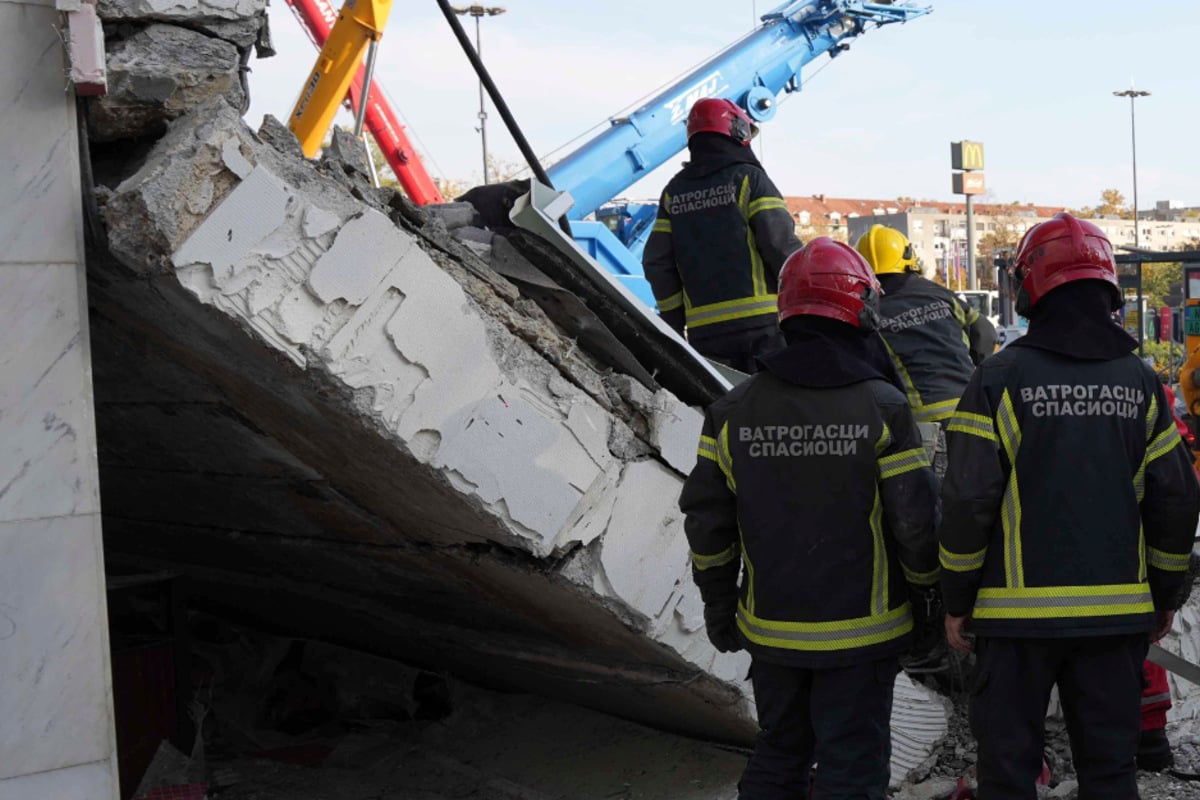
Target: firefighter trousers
x=837, y=718
x=739, y=349
x=1100, y=686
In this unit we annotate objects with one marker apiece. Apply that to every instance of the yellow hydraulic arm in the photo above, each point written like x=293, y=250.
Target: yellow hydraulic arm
x=359, y=23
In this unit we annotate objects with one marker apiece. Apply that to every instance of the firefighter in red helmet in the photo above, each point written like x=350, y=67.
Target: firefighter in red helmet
x=810, y=514
x=718, y=243
x=1070, y=506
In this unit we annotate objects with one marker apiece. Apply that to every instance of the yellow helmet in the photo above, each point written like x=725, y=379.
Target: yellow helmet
x=887, y=250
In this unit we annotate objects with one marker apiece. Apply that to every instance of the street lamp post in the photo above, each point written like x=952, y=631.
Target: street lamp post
x=1133, y=94
x=478, y=11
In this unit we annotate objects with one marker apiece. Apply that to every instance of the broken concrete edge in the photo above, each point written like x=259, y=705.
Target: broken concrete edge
x=240, y=22
x=182, y=216
x=159, y=73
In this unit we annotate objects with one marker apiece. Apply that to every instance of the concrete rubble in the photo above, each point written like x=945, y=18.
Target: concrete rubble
x=348, y=419
x=469, y=477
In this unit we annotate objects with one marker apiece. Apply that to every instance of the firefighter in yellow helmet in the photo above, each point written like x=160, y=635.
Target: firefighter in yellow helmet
x=935, y=338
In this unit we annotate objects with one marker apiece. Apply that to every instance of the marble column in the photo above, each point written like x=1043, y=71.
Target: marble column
x=56, y=724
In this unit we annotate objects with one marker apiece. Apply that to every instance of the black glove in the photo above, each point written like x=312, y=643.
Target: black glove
x=720, y=623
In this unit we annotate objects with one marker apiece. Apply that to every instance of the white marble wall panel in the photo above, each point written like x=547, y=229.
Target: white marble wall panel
x=56, y=729
x=95, y=781
x=37, y=141
x=47, y=467
x=53, y=646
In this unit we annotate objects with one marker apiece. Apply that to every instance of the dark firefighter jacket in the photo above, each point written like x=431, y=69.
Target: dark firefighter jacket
x=718, y=244
x=935, y=340
x=822, y=498
x=1070, y=502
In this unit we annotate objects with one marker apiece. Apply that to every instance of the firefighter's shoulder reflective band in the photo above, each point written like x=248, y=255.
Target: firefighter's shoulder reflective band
x=727, y=310
x=719, y=560
x=766, y=204
x=708, y=448
x=1169, y=562
x=1163, y=443
x=1010, y=510
x=670, y=303
x=974, y=424
x=1042, y=602
x=1009, y=428
x=910, y=388
x=920, y=578
x=884, y=441
x=662, y=225
x=935, y=412
x=1155, y=447
x=724, y=459
x=961, y=562
x=902, y=462
x=844, y=634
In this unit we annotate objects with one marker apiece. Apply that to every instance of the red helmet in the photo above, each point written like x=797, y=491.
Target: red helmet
x=826, y=278
x=718, y=115
x=1058, y=251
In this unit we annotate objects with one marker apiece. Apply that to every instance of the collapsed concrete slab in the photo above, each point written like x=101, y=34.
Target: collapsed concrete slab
x=331, y=412
x=342, y=422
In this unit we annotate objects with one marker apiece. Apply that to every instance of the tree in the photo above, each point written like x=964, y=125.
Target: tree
x=1005, y=236
x=1112, y=203
x=1159, y=281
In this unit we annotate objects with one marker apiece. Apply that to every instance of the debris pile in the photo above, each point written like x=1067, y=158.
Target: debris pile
x=393, y=428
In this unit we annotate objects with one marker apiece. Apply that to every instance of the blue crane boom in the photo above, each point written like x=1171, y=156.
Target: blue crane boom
x=751, y=72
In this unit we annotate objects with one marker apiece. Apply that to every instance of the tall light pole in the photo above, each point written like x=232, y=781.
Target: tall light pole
x=1133, y=94
x=478, y=11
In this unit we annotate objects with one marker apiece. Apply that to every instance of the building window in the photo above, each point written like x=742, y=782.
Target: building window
x=991, y=226
x=980, y=227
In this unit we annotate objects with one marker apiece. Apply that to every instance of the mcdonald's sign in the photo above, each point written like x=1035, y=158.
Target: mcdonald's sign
x=968, y=182
x=966, y=155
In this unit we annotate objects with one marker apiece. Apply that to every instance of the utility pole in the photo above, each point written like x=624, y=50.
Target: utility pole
x=1133, y=94
x=477, y=11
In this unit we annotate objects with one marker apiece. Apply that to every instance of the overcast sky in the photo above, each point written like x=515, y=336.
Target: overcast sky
x=1031, y=79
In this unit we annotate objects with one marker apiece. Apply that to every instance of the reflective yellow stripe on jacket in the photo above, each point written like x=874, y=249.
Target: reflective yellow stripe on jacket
x=1047, y=602
x=1010, y=511
x=670, y=303
x=742, y=308
x=840, y=634
x=974, y=424
x=702, y=562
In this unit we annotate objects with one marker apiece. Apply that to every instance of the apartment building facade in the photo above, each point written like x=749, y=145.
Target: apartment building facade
x=938, y=231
